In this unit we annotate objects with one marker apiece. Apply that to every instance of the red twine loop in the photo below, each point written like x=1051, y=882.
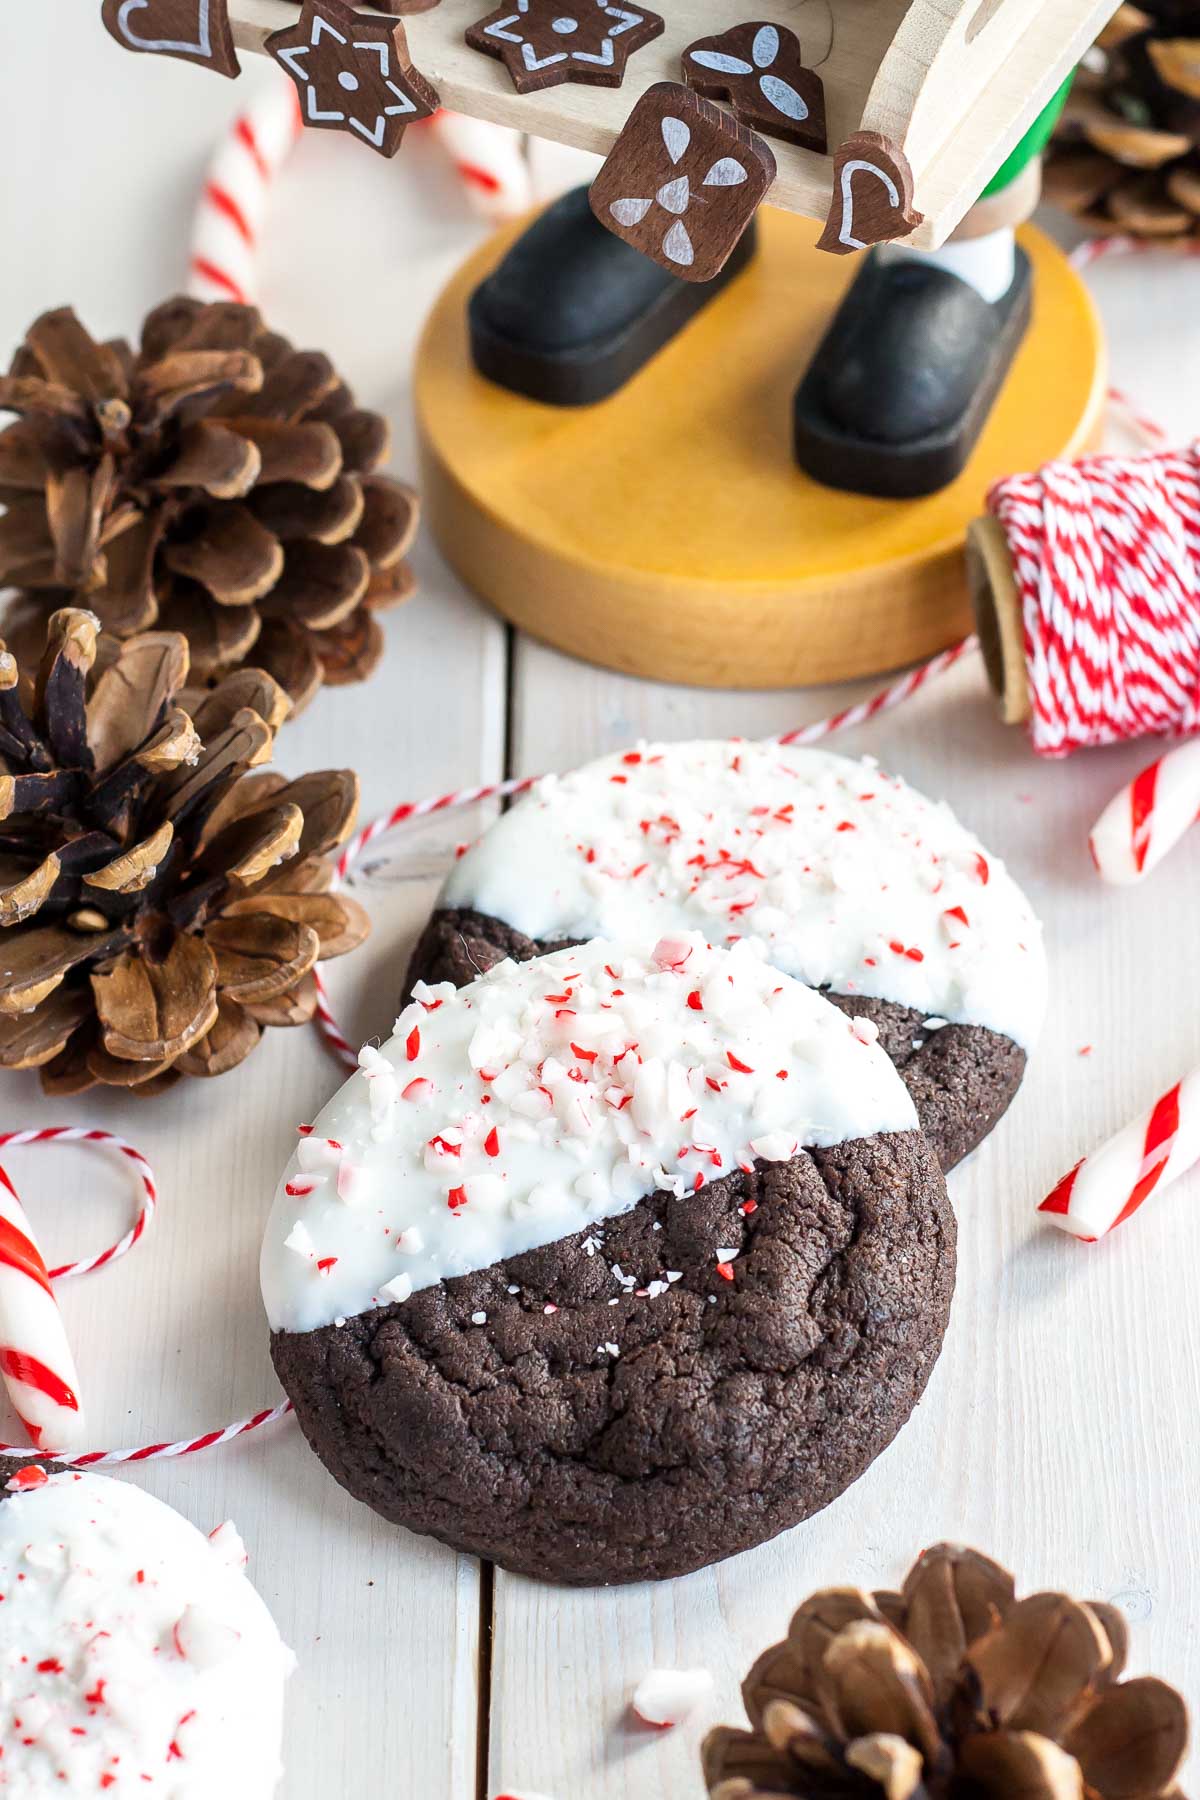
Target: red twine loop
x=148, y=1202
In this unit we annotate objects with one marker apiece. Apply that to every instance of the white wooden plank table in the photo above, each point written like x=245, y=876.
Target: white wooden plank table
x=1059, y=1429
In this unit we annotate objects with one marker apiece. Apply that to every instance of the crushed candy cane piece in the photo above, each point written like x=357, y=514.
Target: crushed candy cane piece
x=666, y=1697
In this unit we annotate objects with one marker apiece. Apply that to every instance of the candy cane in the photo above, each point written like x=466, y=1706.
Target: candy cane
x=35, y=1357
x=895, y=694
x=233, y=204
x=488, y=159
x=1148, y=817
x=1104, y=1189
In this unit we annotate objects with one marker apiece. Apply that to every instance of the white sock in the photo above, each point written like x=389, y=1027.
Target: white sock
x=986, y=263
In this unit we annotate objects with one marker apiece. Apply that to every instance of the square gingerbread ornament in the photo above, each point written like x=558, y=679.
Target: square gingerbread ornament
x=682, y=182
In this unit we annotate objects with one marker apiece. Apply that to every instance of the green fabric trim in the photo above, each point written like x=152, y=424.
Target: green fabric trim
x=1032, y=144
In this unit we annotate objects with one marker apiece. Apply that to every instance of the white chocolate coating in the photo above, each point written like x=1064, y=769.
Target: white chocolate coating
x=852, y=879
x=135, y=1656
x=552, y=1094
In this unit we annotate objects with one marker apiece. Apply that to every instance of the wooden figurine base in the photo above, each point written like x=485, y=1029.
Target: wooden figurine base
x=667, y=531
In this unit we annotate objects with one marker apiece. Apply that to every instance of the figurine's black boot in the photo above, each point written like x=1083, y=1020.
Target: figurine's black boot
x=571, y=312
x=904, y=379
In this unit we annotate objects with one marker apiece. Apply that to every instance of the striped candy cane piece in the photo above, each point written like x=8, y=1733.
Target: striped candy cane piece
x=35, y=1357
x=1108, y=1186
x=490, y=162
x=1148, y=817
x=233, y=204
x=895, y=694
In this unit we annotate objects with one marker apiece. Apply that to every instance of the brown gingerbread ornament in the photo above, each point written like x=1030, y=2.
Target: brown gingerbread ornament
x=194, y=30
x=872, y=195
x=682, y=182
x=353, y=73
x=544, y=42
x=758, y=70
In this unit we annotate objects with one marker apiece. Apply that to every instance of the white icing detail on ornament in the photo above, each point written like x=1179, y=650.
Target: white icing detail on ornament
x=155, y=1656
x=668, y=1696
x=676, y=136
x=783, y=97
x=678, y=245
x=721, y=63
x=829, y=862
x=856, y=166
x=630, y=212
x=765, y=47
x=727, y=172
x=710, y=1054
x=674, y=195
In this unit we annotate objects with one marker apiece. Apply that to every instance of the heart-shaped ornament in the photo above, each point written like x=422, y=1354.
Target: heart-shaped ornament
x=193, y=30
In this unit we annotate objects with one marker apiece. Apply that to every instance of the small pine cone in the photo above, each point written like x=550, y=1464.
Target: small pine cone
x=951, y=1689
x=163, y=897
x=1125, y=156
x=216, y=483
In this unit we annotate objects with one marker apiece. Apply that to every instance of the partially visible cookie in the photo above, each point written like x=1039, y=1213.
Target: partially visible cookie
x=610, y=1265
x=853, y=881
x=134, y=1654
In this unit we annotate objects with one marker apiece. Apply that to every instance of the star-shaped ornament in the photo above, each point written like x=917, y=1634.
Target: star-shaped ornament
x=543, y=42
x=353, y=73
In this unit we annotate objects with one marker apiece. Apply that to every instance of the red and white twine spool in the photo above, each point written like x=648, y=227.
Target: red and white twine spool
x=29, y=1284
x=1106, y=556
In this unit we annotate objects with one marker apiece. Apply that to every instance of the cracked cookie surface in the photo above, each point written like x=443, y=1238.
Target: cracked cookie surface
x=587, y=1442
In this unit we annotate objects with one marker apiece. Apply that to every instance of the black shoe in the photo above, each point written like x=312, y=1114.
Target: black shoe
x=571, y=312
x=904, y=379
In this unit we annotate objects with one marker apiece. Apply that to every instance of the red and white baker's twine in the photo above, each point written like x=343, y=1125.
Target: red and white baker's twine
x=31, y=1332
x=488, y=160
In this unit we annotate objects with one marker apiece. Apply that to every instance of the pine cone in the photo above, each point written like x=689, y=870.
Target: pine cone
x=159, y=903
x=950, y=1690
x=1125, y=156
x=217, y=483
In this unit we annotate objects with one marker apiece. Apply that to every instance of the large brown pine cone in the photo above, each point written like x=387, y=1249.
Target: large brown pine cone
x=951, y=1689
x=160, y=904
x=1125, y=156
x=216, y=483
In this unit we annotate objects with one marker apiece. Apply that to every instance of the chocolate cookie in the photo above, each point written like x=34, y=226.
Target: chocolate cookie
x=854, y=883
x=608, y=1307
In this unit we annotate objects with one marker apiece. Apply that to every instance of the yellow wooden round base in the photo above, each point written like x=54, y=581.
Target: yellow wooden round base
x=667, y=531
